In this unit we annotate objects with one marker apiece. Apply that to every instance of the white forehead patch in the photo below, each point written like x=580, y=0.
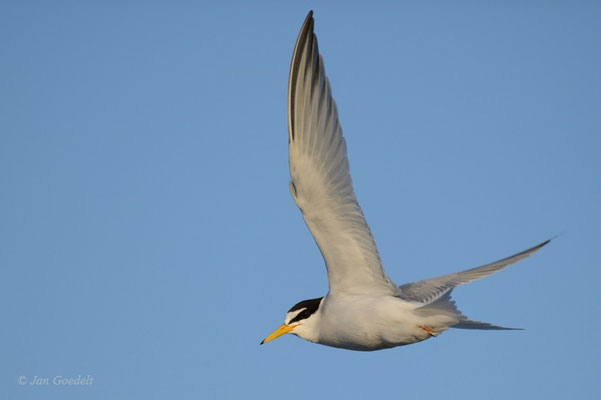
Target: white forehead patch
x=291, y=314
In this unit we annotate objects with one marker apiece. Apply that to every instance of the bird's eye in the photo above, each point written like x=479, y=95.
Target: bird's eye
x=300, y=316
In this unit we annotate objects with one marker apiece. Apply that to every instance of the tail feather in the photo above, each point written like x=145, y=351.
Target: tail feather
x=469, y=324
x=445, y=306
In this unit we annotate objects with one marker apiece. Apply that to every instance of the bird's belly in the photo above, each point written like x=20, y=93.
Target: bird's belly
x=369, y=325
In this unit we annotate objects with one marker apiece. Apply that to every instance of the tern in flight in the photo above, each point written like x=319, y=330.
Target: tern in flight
x=364, y=309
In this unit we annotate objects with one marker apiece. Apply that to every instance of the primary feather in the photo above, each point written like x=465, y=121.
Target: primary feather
x=428, y=290
x=321, y=183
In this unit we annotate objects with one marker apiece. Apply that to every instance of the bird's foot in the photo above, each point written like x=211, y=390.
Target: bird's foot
x=428, y=330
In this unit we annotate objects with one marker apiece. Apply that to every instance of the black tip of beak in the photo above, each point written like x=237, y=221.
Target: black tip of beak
x=262, y=341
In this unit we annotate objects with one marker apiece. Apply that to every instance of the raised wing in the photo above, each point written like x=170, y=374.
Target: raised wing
x=430, y=290
x=321, y=183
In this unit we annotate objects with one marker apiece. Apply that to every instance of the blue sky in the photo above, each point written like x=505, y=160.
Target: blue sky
x=149, y=239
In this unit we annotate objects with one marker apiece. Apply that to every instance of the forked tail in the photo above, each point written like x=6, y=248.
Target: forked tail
x=444, y=310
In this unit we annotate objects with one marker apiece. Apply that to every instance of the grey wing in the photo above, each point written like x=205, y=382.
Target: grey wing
x=321, y=183
x=429, y=290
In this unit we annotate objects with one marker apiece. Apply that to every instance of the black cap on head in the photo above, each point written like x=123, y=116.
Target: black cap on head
x=309, y=306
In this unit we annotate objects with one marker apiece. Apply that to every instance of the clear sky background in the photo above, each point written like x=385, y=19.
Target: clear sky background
x=148, y=238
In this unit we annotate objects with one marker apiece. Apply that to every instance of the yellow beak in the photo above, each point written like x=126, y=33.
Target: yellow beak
x=282, y=330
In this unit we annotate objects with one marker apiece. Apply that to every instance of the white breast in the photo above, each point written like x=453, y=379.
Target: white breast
x=361, y=322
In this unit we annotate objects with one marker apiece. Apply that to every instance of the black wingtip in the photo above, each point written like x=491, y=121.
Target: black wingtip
x=546, y=242
x=536, y=248
x=309, y=17
x=305, y=35
x=556, y=236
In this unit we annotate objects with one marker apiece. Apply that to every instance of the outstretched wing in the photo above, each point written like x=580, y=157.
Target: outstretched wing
x=429, y=290
x=321, y=182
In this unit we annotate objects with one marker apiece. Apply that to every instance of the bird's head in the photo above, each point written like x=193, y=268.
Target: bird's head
x=300, y=320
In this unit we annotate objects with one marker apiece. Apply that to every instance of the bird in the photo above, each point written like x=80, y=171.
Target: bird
x=364, y=309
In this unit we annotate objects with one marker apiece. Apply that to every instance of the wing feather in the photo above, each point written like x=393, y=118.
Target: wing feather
x=321, y=183
x=429, y=290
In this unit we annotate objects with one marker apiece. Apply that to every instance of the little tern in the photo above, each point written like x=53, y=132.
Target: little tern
x=363, y=310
